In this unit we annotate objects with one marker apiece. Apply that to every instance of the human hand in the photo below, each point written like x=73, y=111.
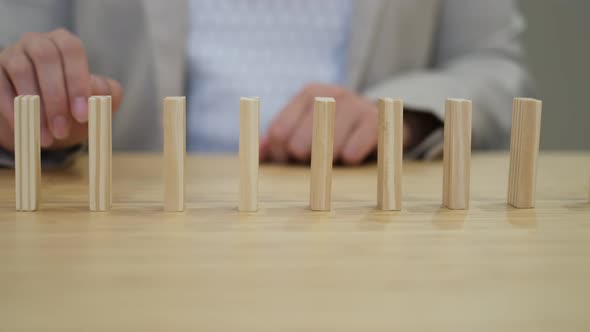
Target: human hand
x=53, y=65
x=355, y=129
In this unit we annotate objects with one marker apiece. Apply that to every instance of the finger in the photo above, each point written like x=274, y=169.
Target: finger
x=299, y=145
x=362, y=141
x=21, y=73
x=6, y=100
x=346, y=119
x=6, y=135
x=99, y=86
x=49, y=71
x=284, y=124
x=288, y=121
x=76, y=72
x=278, y=154
x=116, y=93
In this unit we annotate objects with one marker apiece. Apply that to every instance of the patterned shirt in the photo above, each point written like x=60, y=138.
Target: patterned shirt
x=264, y=48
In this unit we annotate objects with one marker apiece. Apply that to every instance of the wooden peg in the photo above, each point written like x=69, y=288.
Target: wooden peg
x=174, y=153
x=524, y=151
x=457, y=154
x=322, y=152
x=390, y=154
x=249, y=158
x=27, y=152
x=100, y=153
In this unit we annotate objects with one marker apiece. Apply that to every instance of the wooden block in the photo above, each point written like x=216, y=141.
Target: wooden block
x=100, y=153
x=524, y=151
x=322, y=152
x=27, y=152
x=249, y=158
x=174, y=153
x=390, y=154
x=457, y=154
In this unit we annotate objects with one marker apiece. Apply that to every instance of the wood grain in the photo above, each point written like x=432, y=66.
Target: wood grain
x=390, y=154
x=27, y=153
x=322, y=154
x=249, y=154
x=174, y=153
x=211, y=268
x=457, y=154
x=100, y=153
x=524, y=150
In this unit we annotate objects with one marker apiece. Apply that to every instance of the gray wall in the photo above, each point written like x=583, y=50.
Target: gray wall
x=558, y=47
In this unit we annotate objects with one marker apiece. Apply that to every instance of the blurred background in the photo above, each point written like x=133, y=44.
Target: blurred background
x=558, y=50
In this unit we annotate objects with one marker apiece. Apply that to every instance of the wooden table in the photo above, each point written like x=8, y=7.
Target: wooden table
x=492, y=268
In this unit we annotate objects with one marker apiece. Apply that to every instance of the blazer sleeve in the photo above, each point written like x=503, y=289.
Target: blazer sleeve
x=20, y=16
x=477, y=55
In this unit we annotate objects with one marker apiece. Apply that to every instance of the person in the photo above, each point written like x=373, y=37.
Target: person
x=286, y=52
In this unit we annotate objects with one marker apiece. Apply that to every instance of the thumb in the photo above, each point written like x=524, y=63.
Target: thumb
x=102, y=86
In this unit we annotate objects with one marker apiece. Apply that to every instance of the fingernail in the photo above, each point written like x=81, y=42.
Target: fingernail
x=61, y=127
x=46, y=138
x=80, y=109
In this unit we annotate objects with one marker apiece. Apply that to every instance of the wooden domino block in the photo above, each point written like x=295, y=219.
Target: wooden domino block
x=322, y=152
x=457, y=154
x=27, y=152
x=524, y=151
x=100, y=153
x=174, y=153
x=390, y=154
x=249, y=158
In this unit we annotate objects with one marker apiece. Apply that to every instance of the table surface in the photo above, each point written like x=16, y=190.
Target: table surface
x=285, y=268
